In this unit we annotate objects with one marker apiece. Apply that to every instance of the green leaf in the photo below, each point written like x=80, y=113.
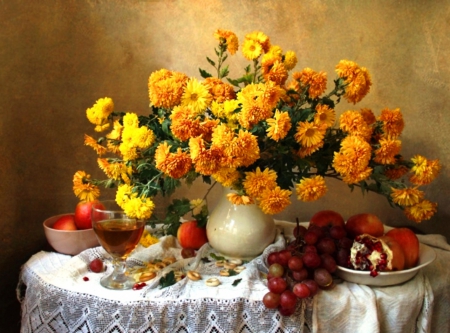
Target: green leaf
x=211, y=62
x=204, y=73
x=216, y=257
x=167, y=280
x=236, y=282
x=205, y=260
x=224, y=72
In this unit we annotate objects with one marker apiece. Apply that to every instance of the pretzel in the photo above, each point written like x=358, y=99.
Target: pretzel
x=224, y=272
x=220, y=263
x=147, y=276
x=212, y=282
x=229, y=265
x=239, y=269
x=193, y=275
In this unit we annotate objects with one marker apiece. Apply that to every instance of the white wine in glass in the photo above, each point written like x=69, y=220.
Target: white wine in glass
x=119, y=235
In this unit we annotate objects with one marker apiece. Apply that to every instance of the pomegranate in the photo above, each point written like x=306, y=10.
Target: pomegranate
x=410, y=244
x=327, y=218
x=364, y=223
x=376, y=254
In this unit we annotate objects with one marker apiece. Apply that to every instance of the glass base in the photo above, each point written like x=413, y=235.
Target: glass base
x=117, y=281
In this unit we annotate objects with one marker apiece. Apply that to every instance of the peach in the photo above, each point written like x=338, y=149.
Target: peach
x=364, y=223
x=191, y=236
x=409, y=242
x=65, y=222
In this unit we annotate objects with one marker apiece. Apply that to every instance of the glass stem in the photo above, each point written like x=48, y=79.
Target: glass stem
x=120, y=266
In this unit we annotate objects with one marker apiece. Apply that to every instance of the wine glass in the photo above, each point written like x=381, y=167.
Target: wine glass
x=119, y=235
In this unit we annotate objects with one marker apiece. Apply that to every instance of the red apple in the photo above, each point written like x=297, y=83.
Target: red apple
x=190, y=235
x=364, y=223
x=83, y=213
x=409, y=242
x=65, y=222
x=327, y=218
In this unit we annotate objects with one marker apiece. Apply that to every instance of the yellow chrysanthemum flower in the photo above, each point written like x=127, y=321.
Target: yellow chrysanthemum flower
x=424, y=210
x=317, y=81
x=393, y=123
x=99, y=113
x=308, y=151
x=261, y=39
x=196, y=96
x=83, y=188
x=278, y=126
x=258, y=181
x=277, y=74
x=290, y=60
x=238, y=199
x=117, y=170
x=368, y=116
x=406, y=196
x=227, y=176
x=311, y=189
x=124, y=193
x=206, y=161
x=387, y=151
x=424, y=171
x=91, y=142
x=273, y=201
x=175, y=165
x=325, y=115
x=309, y=134
x=139, y=208
x=131, y=119
x=251, y=49
x=197, y=206
x=147, y=239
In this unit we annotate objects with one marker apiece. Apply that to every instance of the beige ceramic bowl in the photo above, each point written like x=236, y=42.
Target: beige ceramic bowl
x=69, y=241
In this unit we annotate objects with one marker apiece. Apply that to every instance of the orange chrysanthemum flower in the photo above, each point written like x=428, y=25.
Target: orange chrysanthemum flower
x=316, y=81
x=238, y=199
x=309, y=134
x=325, y=115
x=219, y=90
x=357, y=79
x=227, y=176
x=396, y=172
x=83, y=187
x=352, y=122
x=91, y=142
x=273, y=201
x=393, y=123
x=424, y=210
x=166, y=88
x=406, y=196
x=230, y=39
x=387, y=151
x=277, y=74
x=258, y=181
x=278, y=126
x=311, y=189
x=424, y=171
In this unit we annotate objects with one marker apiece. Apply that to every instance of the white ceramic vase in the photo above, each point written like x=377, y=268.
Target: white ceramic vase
x=239, y=231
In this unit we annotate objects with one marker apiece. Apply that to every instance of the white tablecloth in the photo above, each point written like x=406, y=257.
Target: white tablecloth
x=57, y=299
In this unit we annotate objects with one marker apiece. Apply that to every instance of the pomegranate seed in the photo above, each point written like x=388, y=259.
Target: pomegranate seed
x=373, y=273
x=383, y=256
x=85, y=278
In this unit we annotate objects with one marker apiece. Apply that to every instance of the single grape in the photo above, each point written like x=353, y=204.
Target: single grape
x=326, y=245
x=283, y=257
x=286, y=311
x=338, y=232
x=288, y=299
x=311, y=259
x=299, y=231
x=295, y=263
x=271, y=300
x=96, y=265
x=328, y=262
x=300, y=275
x=301, y=290
x=276, y=270
x=187, y=253
x=310, y=248
x=312, y=285
x=272, y=258
x=345, y=243
x=342, y=257
x=319, y=231
x=322, y=277
x=277, y=285
x=311, y=238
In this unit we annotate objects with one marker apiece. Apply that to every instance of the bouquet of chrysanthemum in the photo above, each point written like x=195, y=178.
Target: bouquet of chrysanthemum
x=259, y=135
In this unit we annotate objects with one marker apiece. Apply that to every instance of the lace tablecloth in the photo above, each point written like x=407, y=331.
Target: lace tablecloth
x=56, y=298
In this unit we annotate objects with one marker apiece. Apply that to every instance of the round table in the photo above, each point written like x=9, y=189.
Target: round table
x=59, y=294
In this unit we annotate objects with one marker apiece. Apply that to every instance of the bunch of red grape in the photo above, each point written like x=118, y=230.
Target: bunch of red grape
x=305, y=266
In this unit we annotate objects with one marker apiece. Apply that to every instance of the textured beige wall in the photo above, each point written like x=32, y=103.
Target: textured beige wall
x=57, y=57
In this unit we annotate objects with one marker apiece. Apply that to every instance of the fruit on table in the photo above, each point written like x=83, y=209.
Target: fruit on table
x=96, y=265
x=364, y=223
x=83, y=213
x=327, y=218
x=409, y=242
x=190, y=235
x=376, y=254
x=65, y=222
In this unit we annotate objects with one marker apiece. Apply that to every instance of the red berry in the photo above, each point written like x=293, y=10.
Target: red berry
x=96, y=265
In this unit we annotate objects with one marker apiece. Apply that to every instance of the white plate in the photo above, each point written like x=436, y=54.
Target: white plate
x=426, y=256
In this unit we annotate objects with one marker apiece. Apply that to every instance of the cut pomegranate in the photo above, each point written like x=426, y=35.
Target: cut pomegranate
x=376, y=255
